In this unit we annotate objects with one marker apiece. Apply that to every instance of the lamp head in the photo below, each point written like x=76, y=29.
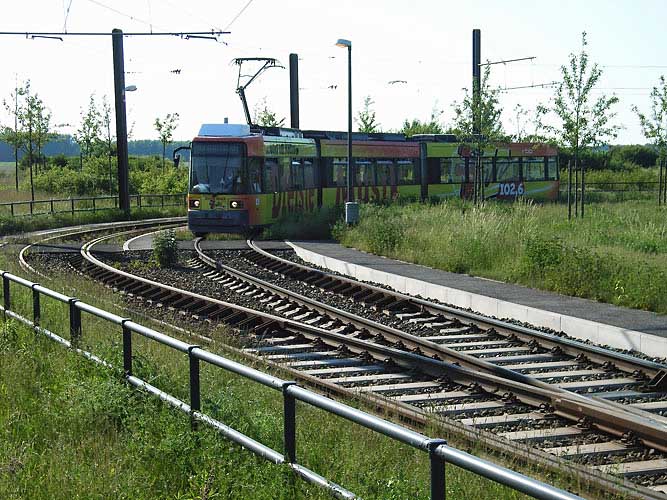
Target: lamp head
x=344, y=43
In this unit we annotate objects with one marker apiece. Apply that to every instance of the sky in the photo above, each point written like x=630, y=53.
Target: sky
x=426, y=43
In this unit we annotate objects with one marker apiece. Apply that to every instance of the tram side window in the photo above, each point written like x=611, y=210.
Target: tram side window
x=507, y=169
x=383, y=172
x=452, y=170
x=271, y=175
x=296, y=175
x=254, y=175
x=405, y=172
x=552, y=168
x=309, y=179
x=533, y=168
x=339, y=172
x=285, y=181
x=363, y=173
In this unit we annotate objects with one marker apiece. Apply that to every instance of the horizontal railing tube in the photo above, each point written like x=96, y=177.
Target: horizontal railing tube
x=377, y=424
x=239, y=369
x=439, y=453
x=158, y=337
x=502, y=475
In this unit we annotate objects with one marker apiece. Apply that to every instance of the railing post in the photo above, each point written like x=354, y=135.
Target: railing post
x=289, y=422
x=162, y=200
x=31, y=207
x=7, y=303
x=36, y=306
x=51, y=205
x=438, y=491
x=72, y=200
x=127, y=349
x=195, y=389
x=11, y=207
x=94, y=207
x=74, y=322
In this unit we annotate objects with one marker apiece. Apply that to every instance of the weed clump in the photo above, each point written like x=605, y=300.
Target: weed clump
x=165, y=251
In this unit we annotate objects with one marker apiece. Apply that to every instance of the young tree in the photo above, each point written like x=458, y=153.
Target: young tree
x=479, y=113
x=14, y=136
x=583, y=123
x=165, y=129
x=264, y=117
x=486, y=110
x=108, y=137
x=416, y=126
x=42, y=131
x=88, y=134
x=365, y=119
x=522, y=120
x=654, y=126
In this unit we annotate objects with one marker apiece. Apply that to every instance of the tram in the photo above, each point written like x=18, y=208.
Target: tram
x=241, y=179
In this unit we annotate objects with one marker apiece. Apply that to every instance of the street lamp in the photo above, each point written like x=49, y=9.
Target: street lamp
x=351, y=208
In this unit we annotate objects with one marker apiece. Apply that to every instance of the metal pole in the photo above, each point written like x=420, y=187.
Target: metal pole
x=350, y=168
x=569, y=189
x=294, y=90
x=476, y=79
x=16, y=129
x=195, y=389
x=36, y=307
x=438, y=491
x=576, y=187
x=660, y=184
x=127, y=349
x=583, y=188
x=289, y=423
x=74, y=321
x=121, y=121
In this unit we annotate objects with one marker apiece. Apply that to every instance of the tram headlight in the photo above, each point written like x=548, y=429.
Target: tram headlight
x=236, y=204
x=194, y=203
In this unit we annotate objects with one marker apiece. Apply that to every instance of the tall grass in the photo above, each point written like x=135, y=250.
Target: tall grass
x=69, y=429
x=617, y=254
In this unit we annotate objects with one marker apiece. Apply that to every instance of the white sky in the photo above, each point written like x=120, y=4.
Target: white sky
x=427, y=43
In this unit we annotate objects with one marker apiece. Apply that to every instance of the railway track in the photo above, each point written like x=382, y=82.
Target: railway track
x=508, y=398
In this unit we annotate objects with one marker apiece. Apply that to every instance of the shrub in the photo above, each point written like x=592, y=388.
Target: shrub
x=165, y=248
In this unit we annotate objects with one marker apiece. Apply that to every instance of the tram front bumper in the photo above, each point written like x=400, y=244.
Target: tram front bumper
x=211, y=221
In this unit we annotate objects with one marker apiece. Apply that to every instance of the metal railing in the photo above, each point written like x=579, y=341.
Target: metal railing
x=89, y=204
x=439, y=452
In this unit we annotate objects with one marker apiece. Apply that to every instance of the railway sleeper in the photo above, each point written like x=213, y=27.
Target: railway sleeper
x=542, y=434
x=373, y=298
x=368, y=383
x=607, y=449
x=183, y=302
x=629, y=469
x=507, y=418
x=361, y=294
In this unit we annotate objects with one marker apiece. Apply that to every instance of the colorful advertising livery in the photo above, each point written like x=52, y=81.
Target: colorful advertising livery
x=240, y=180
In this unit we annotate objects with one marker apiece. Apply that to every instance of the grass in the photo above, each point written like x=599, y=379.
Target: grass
x=616, y=254
x=15, y=225
x=69, y=429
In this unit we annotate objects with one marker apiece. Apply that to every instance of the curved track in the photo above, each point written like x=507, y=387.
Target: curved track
x=332, y=349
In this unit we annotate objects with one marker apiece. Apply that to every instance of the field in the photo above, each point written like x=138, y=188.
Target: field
x=616, y=254
x=69, y=429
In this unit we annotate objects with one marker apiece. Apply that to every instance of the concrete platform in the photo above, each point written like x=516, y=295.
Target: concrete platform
x=584, y=319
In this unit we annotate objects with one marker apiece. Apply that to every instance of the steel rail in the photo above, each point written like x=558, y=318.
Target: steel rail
x=571, y=409
x=570, y=346
x=397, y=432
x=571, y=406
x=606, y=416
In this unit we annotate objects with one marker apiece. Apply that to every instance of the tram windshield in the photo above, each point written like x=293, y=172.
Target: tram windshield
x=216, y=167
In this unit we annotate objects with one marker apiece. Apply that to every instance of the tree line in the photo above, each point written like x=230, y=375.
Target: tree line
x=33, y=131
